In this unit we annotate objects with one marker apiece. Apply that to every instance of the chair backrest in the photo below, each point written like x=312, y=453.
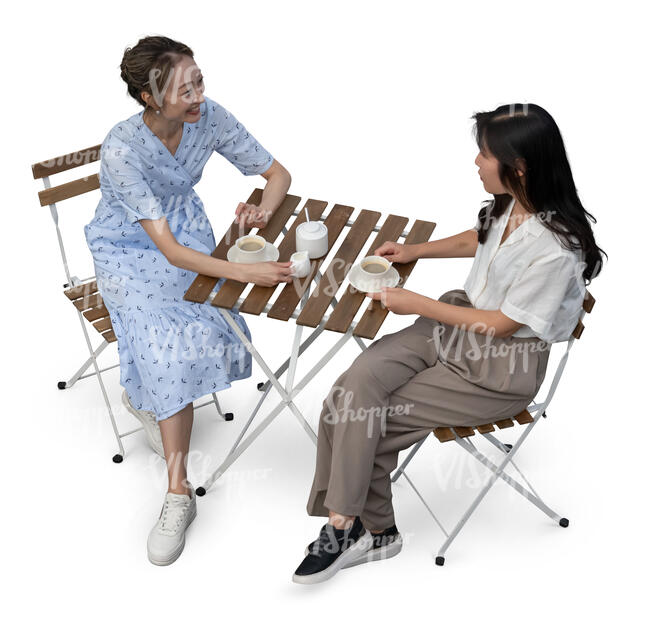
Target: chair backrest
x=587, y=305
x=52, y=194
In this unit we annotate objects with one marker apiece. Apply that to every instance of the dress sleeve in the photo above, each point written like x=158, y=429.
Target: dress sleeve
x=537, y=294
x=122, y=167
x=236, y=144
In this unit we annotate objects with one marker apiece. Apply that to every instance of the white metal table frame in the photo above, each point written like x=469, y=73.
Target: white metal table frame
x=289, y=391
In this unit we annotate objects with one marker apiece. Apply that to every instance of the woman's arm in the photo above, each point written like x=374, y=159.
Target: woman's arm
x=405, y=302
x=461, y=245
x=278, y=181
x=266, y=273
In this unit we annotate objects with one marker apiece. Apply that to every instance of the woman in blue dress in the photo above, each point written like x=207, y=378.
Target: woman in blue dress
x=149, y=238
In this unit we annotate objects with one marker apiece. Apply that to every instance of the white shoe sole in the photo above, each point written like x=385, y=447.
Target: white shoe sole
x=145, y=424
x=172, y=557
x=345, y=559
x=374, y=555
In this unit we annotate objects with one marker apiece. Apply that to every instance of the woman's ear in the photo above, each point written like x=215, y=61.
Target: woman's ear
x=520, y=164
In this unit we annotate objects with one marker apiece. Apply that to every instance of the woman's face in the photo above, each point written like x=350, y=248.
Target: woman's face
x=183, y=93
x=488, y=170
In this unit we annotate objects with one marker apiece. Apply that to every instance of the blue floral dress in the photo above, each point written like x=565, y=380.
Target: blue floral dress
x=171, y=351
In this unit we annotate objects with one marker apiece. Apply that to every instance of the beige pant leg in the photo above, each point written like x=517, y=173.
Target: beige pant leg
x=350, y=422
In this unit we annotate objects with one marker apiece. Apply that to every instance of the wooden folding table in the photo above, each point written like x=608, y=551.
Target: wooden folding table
x=314, y=293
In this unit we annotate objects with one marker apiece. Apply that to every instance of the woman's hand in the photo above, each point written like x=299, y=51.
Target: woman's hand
x=252, y=215
x=398, y=300
x=266, y=273
x=396, y=252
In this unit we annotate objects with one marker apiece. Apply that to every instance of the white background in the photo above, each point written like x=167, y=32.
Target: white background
x=366, y=104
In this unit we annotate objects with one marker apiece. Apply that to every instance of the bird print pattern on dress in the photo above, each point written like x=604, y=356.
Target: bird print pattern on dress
x=171, y=351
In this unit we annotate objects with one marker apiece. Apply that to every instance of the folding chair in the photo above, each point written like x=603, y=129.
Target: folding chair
x=461, y=436
x=83, y=293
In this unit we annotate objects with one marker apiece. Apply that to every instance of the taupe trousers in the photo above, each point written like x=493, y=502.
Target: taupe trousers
x=397, y=391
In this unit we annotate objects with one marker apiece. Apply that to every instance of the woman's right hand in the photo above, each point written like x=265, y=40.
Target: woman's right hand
x=396, y=252
x=266, y=273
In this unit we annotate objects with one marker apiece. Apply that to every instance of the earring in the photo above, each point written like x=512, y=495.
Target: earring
x=157, y=111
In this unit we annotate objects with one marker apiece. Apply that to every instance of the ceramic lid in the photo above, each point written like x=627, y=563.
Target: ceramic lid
x=312, y=229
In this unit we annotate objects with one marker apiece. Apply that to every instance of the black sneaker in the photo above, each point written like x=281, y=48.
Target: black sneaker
x=334, y=549
x=385, y=544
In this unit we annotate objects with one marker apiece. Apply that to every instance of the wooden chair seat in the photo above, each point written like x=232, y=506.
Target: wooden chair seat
x=89, y=301
x=444, y=434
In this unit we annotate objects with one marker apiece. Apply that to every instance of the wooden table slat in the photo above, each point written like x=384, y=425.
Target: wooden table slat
x=231, y=290
x=319, y=301
x=376, y=313
x=259, y=295
x=203, y=285
x=290, y=295
x=349, y=304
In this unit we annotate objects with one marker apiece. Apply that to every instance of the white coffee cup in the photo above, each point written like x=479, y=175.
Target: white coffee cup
x=374, y=268
x=312, y=237
x=251, y=248
x=300, y=264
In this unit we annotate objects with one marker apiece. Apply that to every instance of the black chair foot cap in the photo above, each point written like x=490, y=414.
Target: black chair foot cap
x=508, y=446
x=228, y=416
x=117, y=458
x=440, y=561
x=260, y=385
x=564, y=522
x=200, y=491
x=61, y=384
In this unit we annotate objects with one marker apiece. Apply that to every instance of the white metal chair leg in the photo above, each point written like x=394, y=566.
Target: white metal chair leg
x=63, y=384
x=118, y=457
x=497, y=472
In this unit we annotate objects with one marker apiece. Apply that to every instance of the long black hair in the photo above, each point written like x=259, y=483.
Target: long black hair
x=525, y=137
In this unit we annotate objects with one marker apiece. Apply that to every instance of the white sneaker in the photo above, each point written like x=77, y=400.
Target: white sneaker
x=149, y=423
x=167, y=538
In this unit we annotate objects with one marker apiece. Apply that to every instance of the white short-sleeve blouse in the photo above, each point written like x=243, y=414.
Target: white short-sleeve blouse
x=531, y=278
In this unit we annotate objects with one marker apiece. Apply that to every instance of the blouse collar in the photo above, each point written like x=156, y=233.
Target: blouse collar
x=531, y=226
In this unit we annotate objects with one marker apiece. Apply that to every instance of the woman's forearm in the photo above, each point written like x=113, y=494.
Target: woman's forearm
x=275, y=190
x=196, y=261
x=461, y=245
x=467, y=318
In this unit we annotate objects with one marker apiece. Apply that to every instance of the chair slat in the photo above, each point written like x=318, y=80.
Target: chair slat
x=589, y=302
x=88, y=302
x=69, y=190
x=504, y=423
x=444, y=434
x=230, y=290
x=486, y=428
x=464, y=431
x=347, y=307
x=335, y=272
x=259, y=295
x=291, y=293
x=81, y=290
x=577, y=331
x=523, y=417
x=66, y=162
x=376, y=313
x=109, y=335
x=103, y=325
x=203, y=285
x=96, y=314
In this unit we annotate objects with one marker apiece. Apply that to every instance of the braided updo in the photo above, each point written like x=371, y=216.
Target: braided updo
x=153, y=57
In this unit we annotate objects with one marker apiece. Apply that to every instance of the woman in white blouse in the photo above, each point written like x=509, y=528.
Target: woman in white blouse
x=476, y=355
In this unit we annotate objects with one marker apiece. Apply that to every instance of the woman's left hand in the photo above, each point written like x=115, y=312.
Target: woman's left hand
x=397, y=299
x=252, y=215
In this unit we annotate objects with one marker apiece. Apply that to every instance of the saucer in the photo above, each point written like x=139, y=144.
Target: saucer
x=271, y=253
x=356, y=278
